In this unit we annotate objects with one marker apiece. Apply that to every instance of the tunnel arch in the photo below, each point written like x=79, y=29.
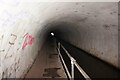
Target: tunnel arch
x=92, y=27
x=85, y=28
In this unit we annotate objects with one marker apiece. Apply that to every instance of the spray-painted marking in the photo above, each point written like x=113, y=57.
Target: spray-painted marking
x=28, y=40
x=13, y=37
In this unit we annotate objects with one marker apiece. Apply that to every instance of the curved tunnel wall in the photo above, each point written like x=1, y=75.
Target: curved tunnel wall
x=92, y=27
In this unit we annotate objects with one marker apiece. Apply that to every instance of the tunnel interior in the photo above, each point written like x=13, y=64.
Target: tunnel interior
x=26, y=27
x=60, y=30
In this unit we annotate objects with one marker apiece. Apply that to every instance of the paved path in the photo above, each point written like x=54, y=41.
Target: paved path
x=47, y=64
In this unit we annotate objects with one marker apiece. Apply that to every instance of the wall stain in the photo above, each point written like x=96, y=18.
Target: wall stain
x=102, y=53
x=3, y=73
x=2, y=36
x=75, y=11
x=2, y=50
x=1, y=40
x=83, y=19
x=18, y=49
x=11, y=43
x=107, y=27
x=88, y=13
x=83, y=6
x=76, y=3
x=18, y=60
x=95, y=15
x=113, y=25
x=9, y=74
x=118, y=29
x=113, y=12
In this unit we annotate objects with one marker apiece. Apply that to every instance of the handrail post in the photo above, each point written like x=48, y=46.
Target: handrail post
x=73, y=64
x=72, y=67
x=58, y=46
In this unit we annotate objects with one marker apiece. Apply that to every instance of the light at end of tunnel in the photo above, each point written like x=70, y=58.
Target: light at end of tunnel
x=52, y=34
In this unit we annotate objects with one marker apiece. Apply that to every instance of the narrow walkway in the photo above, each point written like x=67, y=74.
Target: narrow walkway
x=47, y=64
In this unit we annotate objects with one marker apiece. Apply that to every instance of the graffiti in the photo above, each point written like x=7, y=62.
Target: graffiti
x=13, y=37
x=28, y=40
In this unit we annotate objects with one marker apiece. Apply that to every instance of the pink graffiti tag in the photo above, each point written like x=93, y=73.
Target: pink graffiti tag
x=28, y=40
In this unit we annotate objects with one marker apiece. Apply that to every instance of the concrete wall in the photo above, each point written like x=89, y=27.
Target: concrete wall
x=20, y=37
x=90, y=26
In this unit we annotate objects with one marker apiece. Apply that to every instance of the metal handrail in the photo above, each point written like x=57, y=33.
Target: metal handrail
x=73, y=62
x=64, y=62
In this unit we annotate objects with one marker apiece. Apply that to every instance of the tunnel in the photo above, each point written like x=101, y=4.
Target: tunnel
x=68, y=40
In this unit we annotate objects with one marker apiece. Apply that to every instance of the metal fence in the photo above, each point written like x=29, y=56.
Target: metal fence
x=71, y=74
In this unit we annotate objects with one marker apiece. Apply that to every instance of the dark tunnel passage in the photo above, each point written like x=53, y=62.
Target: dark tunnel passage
x=39, y=40
x=95, y=67
x=61, y=29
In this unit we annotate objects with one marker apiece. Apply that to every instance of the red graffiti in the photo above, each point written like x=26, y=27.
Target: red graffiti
x=28, y=40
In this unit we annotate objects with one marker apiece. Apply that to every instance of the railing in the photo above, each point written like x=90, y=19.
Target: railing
x=71, y=75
